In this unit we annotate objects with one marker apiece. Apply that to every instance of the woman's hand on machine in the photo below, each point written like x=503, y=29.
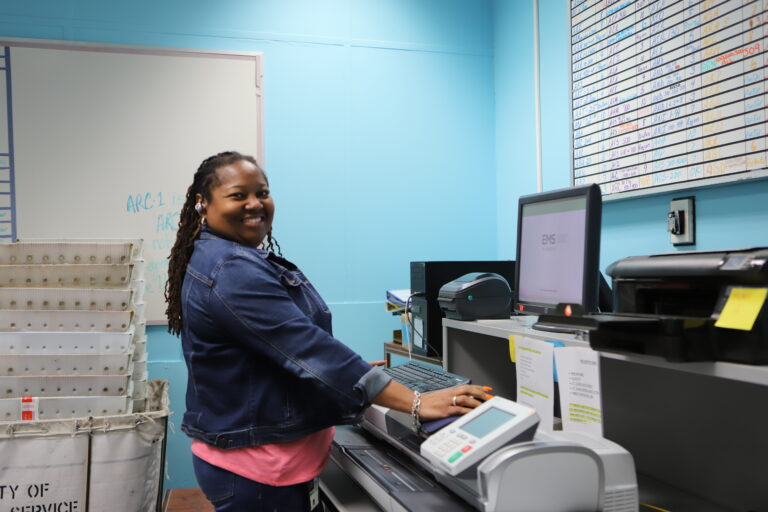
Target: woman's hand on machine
x=452, y=401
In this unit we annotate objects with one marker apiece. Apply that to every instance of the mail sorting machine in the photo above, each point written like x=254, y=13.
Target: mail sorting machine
x=72, y=329
x=493, y=459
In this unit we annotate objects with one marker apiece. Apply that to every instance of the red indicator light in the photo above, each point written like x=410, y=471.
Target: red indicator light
x=568, y=311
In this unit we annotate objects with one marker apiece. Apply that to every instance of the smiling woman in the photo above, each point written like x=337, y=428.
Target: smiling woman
x=239, y=207
x=267, y=379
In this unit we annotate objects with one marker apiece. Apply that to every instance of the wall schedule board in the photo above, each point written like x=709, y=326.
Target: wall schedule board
x=668, y=93
x=102, y=141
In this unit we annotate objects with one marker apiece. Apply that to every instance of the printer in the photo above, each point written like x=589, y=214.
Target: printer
x=476, y=295
x=426, y=279
x=529, y=470
x=669, y=304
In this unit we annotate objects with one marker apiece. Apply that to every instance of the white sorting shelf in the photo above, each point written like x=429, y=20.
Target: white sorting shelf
x=66, y=364
x=88, y=276
x=67, y=252
x=55, y=320
x=54, y=298
x=65, y=385
x=66, y=407
x=66, y=342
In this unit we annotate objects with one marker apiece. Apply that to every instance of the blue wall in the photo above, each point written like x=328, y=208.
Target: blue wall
x=379, y=138
x=515, y=116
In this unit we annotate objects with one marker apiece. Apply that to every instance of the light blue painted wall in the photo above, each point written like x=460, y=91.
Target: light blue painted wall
x=554, y=76
x=514, y=79
x=379, y=135
x=515, y=115
x=729, y=216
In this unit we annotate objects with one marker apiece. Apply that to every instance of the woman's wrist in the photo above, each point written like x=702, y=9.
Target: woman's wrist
x=395, y=396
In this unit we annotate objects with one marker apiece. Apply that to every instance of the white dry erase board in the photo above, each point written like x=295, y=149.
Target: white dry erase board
x=668, y=94
x=102, y=141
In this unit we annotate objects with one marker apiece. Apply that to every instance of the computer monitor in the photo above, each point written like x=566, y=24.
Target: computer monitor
x=558, y=250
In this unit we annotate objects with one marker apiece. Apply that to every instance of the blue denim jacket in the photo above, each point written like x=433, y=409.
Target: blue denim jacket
x=263, y=364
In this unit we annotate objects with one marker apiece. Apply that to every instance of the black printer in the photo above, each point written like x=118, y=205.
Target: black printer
x=668, y=305
x=476, y=295
x=426, y=279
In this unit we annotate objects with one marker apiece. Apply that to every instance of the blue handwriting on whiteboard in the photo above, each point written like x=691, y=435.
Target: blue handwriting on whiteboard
x=167, y=222
x=140, y=202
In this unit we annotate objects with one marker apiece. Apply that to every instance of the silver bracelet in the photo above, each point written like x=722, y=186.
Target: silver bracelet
x=415, y=406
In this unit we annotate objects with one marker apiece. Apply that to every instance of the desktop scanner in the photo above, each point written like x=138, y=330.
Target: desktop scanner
x=476, y=295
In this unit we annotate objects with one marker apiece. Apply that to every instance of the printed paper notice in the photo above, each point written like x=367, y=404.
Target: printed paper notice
x=580, y=403
x=535, y=387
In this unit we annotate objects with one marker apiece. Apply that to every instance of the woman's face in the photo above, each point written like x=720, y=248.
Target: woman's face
x=240, y=207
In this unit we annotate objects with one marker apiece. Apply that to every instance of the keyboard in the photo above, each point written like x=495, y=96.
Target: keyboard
x=422, y=378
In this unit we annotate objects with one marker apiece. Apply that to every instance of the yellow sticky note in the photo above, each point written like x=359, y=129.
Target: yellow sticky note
x=512, y=348
x=741, y=308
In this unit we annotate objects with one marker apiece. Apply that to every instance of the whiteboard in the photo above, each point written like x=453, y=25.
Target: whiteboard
x=103, y=141
x=668, y=94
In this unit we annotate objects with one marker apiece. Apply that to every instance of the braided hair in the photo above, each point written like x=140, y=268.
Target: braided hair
x=189, y=228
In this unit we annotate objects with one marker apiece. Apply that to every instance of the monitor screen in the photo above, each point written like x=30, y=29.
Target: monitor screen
x=558, y=250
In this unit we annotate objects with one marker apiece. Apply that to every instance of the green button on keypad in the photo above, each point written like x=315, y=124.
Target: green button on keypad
x=455, y=456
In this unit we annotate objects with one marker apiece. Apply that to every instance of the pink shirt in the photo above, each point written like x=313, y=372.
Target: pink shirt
x=277, y=464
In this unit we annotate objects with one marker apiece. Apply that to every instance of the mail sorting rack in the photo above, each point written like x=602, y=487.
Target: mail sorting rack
x=104, y=252
x=72, y=340
x=29, y=354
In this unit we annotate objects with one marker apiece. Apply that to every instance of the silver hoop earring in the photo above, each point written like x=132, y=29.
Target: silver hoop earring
x=203, y=222
x=199, y=207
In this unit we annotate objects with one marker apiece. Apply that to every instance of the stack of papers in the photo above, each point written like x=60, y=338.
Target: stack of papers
x=396, y=299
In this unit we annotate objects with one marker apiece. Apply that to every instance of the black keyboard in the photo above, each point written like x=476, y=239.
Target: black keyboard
x=422, y=378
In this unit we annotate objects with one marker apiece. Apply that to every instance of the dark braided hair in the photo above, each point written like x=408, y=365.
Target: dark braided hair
x=189, y=229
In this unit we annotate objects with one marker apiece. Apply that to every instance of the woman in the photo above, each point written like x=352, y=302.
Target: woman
x=267, y=380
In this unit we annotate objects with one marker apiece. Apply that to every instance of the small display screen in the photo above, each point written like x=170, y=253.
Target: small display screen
x=486, y=422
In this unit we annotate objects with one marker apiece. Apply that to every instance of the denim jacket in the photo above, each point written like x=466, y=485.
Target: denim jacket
x=263, y=364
